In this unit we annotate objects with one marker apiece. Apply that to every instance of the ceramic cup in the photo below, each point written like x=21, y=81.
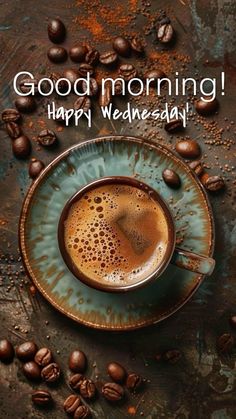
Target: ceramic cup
x=182, y=258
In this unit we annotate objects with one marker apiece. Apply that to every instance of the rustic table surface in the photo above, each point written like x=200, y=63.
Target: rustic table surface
x=202, y=383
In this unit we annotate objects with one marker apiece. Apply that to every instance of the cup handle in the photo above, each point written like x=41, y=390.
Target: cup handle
x=193, y=262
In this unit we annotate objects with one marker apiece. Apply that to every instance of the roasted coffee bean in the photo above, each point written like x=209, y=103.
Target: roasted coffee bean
x=108, y=58
x=165, y=33
x=154, y=74
x=87, y=389
x=57, y=54
x=62, y=85
x=41, y=398
x=71, y=74
x=43, y=357
x=56, y=31
x=116, y=372
x=134, y=382
x=32, y=371
x=21, y=147
x=206, y=108
x=82, y=412
x=92, y=89
x=78, y=53
x=225, y=343
x=47, y=138
x=204, y=177
x=174, y=126
x=127, y=71
x=10, y=115
x=6, y=351
x=137, y=45
x=85, y=68
x=113, y=392
x=75, y=381
x=77, y=361
x=25, y=104
x=118, y=88
x=188, y=149
x=232, y=321
x=26, y=351
x=196, y=166
x=35, y=168
x=105, y=96
x=26, y=83
x=171, y=178
x=172, y=356
x=121, y=46
x=51, y=372
x=92, y=57
x=214, y=183
x=83, y=102
x=13, y=130
x=71, y=404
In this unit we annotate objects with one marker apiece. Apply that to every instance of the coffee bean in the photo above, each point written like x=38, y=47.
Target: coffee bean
x=118, y=88
x=85, y=68
x=204, y=177
x=127, y=71
x=51, y=372
x=77, y=53
x=41, y=398
x=47, y=138
x=75, y=381
x=57, y=54
x=25, y=104
x=77, y=361
x=116, y=372
x=137, y=45
x=87, y=389
x=196, y=166
x=225, y=343
x=121, y=46
x=10, y=115
x=214, y=183
x=13, y=130
x=71, y=404
x=35, y=168
x=105, y=96
x=113, y=392
x=27, y=89
x=93, y=87
x=26, y=351
x=32, y=371
x=232, y=321
x=134, y=382
x=82, y=412
x=174, y=126
x=154, y=74
x=21, y=147
x=188, y=149
x=92, y=57
x=165, y=33
x=6, y=351
x=71, y=74
x=83, y=102
x=172, y=356
x=206, y=108
x=61, y=85
x=108, y=58
x=43, y=357
x=171, y=178
x=56, y=31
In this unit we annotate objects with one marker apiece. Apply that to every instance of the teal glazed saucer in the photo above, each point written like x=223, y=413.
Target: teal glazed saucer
x=81, y=164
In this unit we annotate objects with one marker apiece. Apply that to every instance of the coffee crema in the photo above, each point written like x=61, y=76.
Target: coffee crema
x=116, y=234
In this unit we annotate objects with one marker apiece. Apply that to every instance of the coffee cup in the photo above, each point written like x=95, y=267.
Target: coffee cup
x=117, y=234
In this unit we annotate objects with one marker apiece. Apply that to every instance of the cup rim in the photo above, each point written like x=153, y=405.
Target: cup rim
x=120, y=180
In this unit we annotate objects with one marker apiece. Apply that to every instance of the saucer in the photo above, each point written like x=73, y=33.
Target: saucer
x=74, y=168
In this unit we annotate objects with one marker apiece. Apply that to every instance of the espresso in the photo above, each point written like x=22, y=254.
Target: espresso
x=116, y=234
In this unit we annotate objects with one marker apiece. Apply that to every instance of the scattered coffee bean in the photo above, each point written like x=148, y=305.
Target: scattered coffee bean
x=188, y=149
x=71, y=404
x=232, y=321
x=51, y=372
x=10, y=115
x=206, y=108
x=225, y=343
x=83, y=102
x=35, y=168
x=41, y=398
x=56, y=31
x=204, y=177
x=196, y=166
x=92, y=56
x=57, y=54
x=214, y=183
x=77, y=53
x=6, y=351
x=62, y=85
x=32, y=371
x=82, y=412
x=134, y=382
x=85, y=68
x=137, y=45
x=113, y=392
x=77, y=361
x=21, y=147
x=118, y=88
x=13, y=130
x=26, y=351
x=43, y=357
x=93, y=87
x=87, y=389
x=71, y=74
x=26, y=83
x=127, y=71
x=116, y=372
x=105, y=96
x=108, y=58
x=174, y=126
x=154, y=74
x=165, y=33
x=172, y=356
x=171, y=178
x=25, y=104
x=121, y=46
x=75, y=381
x=47, y=138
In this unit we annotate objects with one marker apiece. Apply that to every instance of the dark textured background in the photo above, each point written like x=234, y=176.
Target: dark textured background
x=201, y=385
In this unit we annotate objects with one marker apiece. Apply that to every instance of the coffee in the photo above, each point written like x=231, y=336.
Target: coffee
x=116, y=234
